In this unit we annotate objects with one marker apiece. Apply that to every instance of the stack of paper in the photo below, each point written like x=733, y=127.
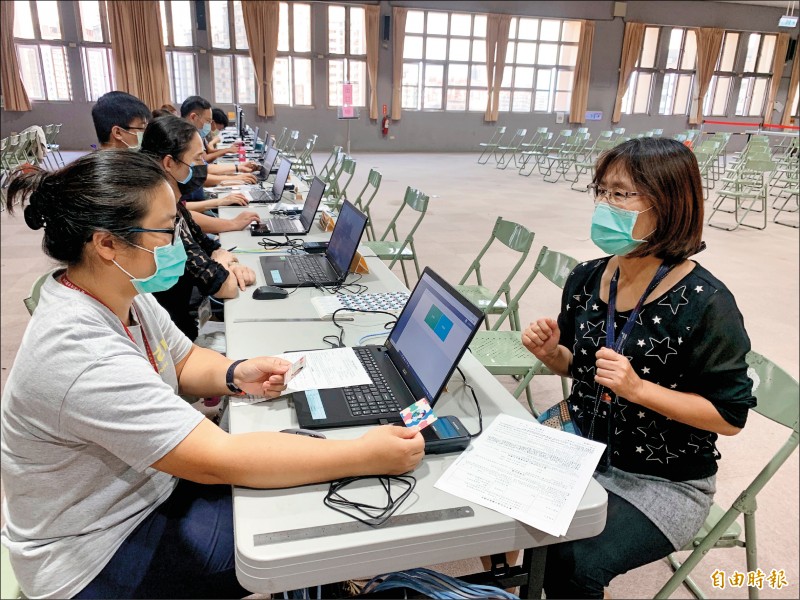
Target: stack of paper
x=525, y=470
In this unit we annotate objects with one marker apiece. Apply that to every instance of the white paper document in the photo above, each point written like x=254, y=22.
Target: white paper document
x=325, y=369
x=528, y=471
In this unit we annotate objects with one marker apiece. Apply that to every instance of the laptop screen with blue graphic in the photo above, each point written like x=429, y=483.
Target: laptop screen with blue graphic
x=432, y=333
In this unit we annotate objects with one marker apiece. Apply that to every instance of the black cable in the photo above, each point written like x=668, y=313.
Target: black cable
x=292, y=244
x=375, y=515
x=339, y=343
x=477, y=404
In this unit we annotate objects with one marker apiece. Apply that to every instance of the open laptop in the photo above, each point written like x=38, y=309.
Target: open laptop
x=261, y=196
x=269, y=156
x=331, y=268
x=424, y=347
x=293, y=225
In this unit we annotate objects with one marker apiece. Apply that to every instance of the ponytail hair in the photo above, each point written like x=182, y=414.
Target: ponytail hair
x=103, y=191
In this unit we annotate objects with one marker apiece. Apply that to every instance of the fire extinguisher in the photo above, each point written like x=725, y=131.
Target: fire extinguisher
x=385, y=125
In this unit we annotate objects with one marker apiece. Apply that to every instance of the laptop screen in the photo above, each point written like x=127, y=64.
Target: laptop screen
x=345, y=237
x=280, y=178
x=431, y=334
x=269, y=159
x=312, y=201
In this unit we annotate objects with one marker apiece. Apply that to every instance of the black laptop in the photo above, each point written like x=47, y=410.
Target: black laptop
x=293, y=225
x=267, y=164
x=262, y=196
x=425, y=345
x=331, y=268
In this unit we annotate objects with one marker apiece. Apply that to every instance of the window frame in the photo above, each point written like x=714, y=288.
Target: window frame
x=629, y=98
x=84, y=45
x=713, y=87
x=232, y=52
x=170, y=50
x=37, y=42
x=348, y=57
x=678, y=72
x=750, y=78
x=291, y=55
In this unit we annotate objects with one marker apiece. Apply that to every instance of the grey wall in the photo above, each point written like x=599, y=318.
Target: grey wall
x=440, y=131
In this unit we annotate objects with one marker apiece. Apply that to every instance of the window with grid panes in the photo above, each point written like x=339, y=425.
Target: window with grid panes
x=719, y=90
x=178, y=34
x=444, y=61
x=540, y=65
x=757, y=74
x=637, y=99
x=291, y=76
x=96, y=57
x=232, y=68
x=41, y=52
x=676, y=89
x=347, y=48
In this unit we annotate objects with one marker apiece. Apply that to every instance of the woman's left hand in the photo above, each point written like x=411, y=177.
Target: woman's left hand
x=262, y=376
x=614, y=371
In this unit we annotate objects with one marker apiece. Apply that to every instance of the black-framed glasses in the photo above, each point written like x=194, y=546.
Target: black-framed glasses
x=613, y=197
x=135, y=128
x=175, y=231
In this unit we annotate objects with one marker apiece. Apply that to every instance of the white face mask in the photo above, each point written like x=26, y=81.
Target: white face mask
x=139, y=136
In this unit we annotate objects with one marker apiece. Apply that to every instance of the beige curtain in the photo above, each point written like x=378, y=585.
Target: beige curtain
x=492, y=29
x=140, y=63
x=14, y=94
x=709, y=43
x=261, y=27
x=373, y=17
x=499, y=62
x=580, y=78
x=777, y=72
x=787, y=110
x=631, y=48
x=398, y=41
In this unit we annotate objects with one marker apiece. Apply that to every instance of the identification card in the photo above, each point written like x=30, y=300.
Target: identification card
x=203, y=312
x=294, y=369
x=420, y=414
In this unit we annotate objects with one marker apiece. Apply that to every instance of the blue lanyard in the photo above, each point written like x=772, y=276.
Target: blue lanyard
x=617, y=345
x=612, y=305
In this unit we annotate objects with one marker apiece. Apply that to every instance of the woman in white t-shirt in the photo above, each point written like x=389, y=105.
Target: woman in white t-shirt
x=116, y=487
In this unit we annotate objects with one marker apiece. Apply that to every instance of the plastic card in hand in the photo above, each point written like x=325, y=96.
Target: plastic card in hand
x=294, y=369
x=392, y=302
x=420, y=414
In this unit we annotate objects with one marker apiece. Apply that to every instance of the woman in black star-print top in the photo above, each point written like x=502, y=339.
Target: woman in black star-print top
x=657, y=376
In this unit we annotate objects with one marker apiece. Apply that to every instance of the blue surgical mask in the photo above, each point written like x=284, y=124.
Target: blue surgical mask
x=170, y=264
x=205, y=130
x=612, y=229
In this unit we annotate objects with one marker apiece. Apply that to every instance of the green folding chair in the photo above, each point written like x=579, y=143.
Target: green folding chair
x=748, y=192
x=337, y=187
x=365, y=197
x=489, y=147
x=502, y=352
x=512, y=236
x=512, y=147
x=777, y=395
x=304, y=165
x=395, y=249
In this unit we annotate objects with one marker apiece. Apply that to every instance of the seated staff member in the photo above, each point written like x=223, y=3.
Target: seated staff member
x=120, y=120
x=219, y=121
x=175, y=137
x=655, y=346
x=197, y=111
x=115, y=486
x=215, y=272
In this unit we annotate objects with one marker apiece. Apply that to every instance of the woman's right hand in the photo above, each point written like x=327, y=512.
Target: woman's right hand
x=392, y=450
x=233, y=199
x=243, y=219
x=244, y=275
x=541, y=338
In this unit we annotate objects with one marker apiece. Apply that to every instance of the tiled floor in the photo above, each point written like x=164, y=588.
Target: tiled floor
x=760, y=268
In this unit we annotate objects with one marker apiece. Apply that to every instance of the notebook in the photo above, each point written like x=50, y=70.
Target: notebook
x=261, y=196
x=331, y=268
x=424, y=347
x=293, y=225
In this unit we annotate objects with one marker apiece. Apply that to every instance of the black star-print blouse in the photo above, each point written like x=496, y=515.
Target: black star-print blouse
x=691, y=339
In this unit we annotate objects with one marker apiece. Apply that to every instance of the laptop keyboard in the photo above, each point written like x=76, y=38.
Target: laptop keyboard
x=308, y=268
x=258, y=195
x=284, y=225
x=374, y=399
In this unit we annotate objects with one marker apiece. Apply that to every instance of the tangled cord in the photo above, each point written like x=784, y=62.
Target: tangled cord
x=337, y=341
x=375, y=516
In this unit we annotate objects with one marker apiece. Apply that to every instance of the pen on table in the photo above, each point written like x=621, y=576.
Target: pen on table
x=232, y=248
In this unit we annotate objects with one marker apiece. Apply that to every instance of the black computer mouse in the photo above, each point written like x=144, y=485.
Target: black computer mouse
x=269, y=292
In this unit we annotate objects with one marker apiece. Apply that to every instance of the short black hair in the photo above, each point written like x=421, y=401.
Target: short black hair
x=116, y=109
x=219, y=117
x=167, y=136
x=192, y=103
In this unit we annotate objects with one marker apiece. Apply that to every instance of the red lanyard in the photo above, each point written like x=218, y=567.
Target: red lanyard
x=150, y=357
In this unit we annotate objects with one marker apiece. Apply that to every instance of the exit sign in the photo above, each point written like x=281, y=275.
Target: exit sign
x=594, y=115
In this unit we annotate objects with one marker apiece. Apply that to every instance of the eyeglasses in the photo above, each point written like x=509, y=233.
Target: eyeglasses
x=175, y=231
x=614, y=197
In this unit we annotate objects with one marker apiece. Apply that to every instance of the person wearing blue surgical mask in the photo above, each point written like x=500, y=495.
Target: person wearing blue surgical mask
x=655, y=346
x=197, y=111
x=129, y=485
